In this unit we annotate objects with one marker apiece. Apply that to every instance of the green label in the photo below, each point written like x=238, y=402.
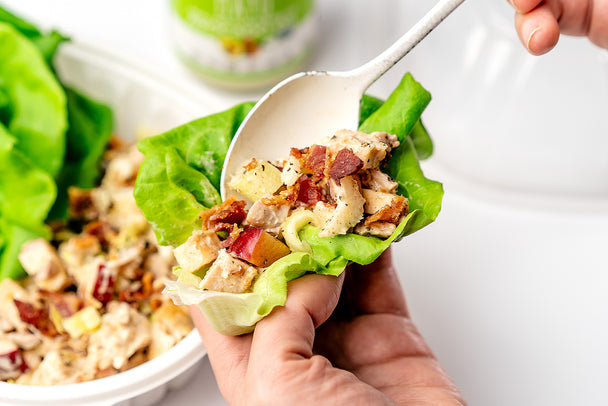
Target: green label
x=255, y=19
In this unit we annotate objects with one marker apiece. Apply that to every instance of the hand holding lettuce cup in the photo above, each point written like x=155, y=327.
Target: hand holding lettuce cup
x=179, y=180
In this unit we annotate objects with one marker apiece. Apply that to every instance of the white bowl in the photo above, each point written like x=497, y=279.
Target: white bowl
x=141, y=100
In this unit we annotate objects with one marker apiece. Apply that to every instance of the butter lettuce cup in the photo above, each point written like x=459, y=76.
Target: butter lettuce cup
x=177, y=189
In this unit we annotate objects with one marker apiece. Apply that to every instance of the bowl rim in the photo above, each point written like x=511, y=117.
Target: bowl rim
x=190, y=349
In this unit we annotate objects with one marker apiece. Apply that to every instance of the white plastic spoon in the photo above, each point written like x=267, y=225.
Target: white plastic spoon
x=310, y=106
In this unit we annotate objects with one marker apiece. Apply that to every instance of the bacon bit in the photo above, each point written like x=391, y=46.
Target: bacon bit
x=103, y=231
x=251, y=165
x=81, y=204
x=286, y=197
x=345, y=164
x=308, y=192
x=104, y=284
x=85, y=242
x=296, y=153
x=391, y=213
x=146, y=282
x=231, y=211
x=143, y=293
x=156, y=302
x=37, y=317
x=314, y=161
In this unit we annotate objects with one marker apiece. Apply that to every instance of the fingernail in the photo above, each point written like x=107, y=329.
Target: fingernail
x=531, y=37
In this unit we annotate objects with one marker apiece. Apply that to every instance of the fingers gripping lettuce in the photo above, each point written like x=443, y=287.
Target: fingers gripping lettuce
x=179, y=180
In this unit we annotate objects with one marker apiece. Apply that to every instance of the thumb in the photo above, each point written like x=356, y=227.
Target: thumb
x=289, y=331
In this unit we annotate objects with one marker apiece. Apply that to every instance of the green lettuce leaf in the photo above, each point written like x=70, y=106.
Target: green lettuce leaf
x=38, y=117
x=181, y=173
x=234, y=314
x=46, y=43
x=37, y=149
x=26, y=194
x=90, y=129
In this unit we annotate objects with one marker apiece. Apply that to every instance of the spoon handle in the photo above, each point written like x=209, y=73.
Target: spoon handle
x=372, y=70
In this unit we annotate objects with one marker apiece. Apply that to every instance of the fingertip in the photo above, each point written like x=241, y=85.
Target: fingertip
x=540, y=41
x=538, y=30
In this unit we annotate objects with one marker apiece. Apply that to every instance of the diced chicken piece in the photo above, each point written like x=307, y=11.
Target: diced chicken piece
x=84, y=268
x=87, y=204
x=267, y=217
x=228, y=274
x=382, y=229
x=376, y=201
x=370, y=148
x=122, y=333
x=55, y=369
x=322, y=213
x=291, y=171
x=379, y=181
x=199, y=250
x=125, y=215
x=79, y=250
x=122, y=170
x=349, y=209
x=24, y=340
x=170, y=323
x=40, y=260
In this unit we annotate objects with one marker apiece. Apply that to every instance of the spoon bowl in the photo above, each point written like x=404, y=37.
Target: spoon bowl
x=309, y=106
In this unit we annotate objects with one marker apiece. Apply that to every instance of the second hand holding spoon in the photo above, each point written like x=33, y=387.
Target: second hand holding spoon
x=310, y=106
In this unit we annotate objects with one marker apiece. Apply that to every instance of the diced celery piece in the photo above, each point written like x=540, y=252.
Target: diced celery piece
x=84, y=321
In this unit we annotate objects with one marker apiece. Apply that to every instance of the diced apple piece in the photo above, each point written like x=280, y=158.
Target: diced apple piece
x=256, y=180
x=82, y=322
x=229, y=274
x=103, y=290
x=12, y=363
x=198, y=251
x=258, y=247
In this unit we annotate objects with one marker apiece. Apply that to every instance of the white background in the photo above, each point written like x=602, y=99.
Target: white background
x=510, y=284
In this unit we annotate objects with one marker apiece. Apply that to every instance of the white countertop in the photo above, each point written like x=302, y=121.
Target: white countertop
x=509, y=285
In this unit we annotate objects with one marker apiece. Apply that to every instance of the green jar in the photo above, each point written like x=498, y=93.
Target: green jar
x=243, y=43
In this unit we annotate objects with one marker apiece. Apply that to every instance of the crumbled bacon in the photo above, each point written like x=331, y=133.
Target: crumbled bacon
x=345, y=164
x=102, y=230
x=251, y=165
x=308, y=192
x=232, y=211
x=285, y=197
x=391, y=213
x=81, y=204
x=144, y=292
x=37, y=317
x=296, y=153
x=314, y=162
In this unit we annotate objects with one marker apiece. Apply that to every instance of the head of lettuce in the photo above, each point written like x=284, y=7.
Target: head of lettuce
x=180, y=177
